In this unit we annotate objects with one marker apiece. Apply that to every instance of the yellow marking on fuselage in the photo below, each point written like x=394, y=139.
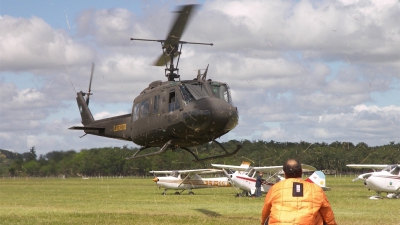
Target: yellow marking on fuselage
x=119, y=127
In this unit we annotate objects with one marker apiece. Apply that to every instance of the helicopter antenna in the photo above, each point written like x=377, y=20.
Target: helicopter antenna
x=69, y=79
x=90, y=85
x=171, y=44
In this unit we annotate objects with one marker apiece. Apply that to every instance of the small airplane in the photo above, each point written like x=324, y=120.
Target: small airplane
x=244, y=177
x=189, y=179
x=385, y=178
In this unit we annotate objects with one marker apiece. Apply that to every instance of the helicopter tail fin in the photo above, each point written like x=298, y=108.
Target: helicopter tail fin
x=86, y=115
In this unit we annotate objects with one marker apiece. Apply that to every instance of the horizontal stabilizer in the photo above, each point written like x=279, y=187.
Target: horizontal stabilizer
x=86, y=128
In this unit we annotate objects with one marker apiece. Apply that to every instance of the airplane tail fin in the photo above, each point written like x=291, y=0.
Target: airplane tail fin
x=318, y=178
x=245, y=164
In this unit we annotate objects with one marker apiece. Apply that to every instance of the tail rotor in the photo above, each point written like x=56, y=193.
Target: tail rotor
x=90, y=85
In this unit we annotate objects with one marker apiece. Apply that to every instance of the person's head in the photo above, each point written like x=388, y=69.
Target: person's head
x=260, y=173
x=292, y=168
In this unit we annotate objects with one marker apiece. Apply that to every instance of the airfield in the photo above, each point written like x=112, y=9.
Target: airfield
x=139, y=201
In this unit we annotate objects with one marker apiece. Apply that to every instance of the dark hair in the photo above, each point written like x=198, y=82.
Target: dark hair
x=292, y=168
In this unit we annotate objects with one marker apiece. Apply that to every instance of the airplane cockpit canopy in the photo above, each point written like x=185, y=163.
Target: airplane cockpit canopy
x=393, y=169
x=174, y=174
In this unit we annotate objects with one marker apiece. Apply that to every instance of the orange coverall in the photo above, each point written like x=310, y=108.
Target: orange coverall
x=311, y=208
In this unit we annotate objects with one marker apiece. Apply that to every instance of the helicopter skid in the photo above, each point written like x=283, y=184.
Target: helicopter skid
x=163, y=149
x=168, y=146
x=227, y=154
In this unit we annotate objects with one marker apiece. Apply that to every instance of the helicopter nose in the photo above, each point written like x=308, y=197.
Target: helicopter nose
x=225, y=117
x=216, y=116
x=155, y=179
x=197, y=120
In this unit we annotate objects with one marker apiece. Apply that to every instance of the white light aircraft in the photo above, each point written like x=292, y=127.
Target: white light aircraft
x=245, y=177
x=188, y=180
x=386, y=180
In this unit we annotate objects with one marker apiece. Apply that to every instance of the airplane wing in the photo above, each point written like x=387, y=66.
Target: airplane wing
x=199, y=171
x=162, y=171
x=367, y=166
x=236, y=168
x=268, y=169
x=275, y=169
x=308, y=168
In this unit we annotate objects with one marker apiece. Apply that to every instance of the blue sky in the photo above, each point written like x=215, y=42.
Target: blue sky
x=315, y=71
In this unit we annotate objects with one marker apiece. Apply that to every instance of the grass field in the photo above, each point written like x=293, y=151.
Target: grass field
x=139, y=201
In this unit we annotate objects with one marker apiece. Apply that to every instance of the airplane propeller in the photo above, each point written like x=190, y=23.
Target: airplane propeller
x=90, y=85
x=229, y=176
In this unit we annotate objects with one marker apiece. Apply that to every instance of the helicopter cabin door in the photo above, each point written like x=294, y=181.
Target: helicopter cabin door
x=174, y=106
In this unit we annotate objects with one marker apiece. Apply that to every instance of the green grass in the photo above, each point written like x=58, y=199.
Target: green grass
x=139, y=201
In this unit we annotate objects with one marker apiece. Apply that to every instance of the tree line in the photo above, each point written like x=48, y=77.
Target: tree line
x=111, y=161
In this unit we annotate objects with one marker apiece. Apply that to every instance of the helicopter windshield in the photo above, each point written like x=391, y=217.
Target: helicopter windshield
x=187, y=97
x=221, y=91
x=197, y=90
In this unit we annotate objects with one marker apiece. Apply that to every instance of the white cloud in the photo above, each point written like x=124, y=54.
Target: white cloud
x=31, y=44
x=298, y=70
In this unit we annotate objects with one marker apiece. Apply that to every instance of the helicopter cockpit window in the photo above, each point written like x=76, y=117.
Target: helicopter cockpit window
x=156, y=103
x=221, y=91
x=135, y=112
x=144, y=108
x=186, y=95
x=173, y=102
x=197, y=90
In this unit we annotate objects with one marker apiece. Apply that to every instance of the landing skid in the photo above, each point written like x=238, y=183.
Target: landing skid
x=162, y=150
x=197, y=159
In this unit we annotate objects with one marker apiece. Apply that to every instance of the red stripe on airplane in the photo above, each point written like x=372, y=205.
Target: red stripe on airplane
x=247, y=178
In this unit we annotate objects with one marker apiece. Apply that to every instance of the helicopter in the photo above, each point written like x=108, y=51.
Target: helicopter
x=171, y=114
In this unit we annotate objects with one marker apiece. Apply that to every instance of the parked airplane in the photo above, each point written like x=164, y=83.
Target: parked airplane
x=245, y=176
x=189, y=179
x=386, y=180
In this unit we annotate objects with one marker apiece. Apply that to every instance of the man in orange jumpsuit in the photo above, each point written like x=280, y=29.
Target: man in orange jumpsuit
x=295, y=201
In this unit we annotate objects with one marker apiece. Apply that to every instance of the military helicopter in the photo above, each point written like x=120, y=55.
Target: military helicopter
x=172, y=114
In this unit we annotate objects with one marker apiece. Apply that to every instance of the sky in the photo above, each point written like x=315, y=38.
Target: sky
x=304, y=70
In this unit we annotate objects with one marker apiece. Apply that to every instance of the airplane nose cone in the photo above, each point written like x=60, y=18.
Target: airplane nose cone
x=155, y=179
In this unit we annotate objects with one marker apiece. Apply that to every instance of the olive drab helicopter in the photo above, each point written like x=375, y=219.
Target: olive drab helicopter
x=172, y=114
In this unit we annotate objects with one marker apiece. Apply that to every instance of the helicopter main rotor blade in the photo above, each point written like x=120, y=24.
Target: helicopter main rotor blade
x=177, y=29
x=164, y=58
